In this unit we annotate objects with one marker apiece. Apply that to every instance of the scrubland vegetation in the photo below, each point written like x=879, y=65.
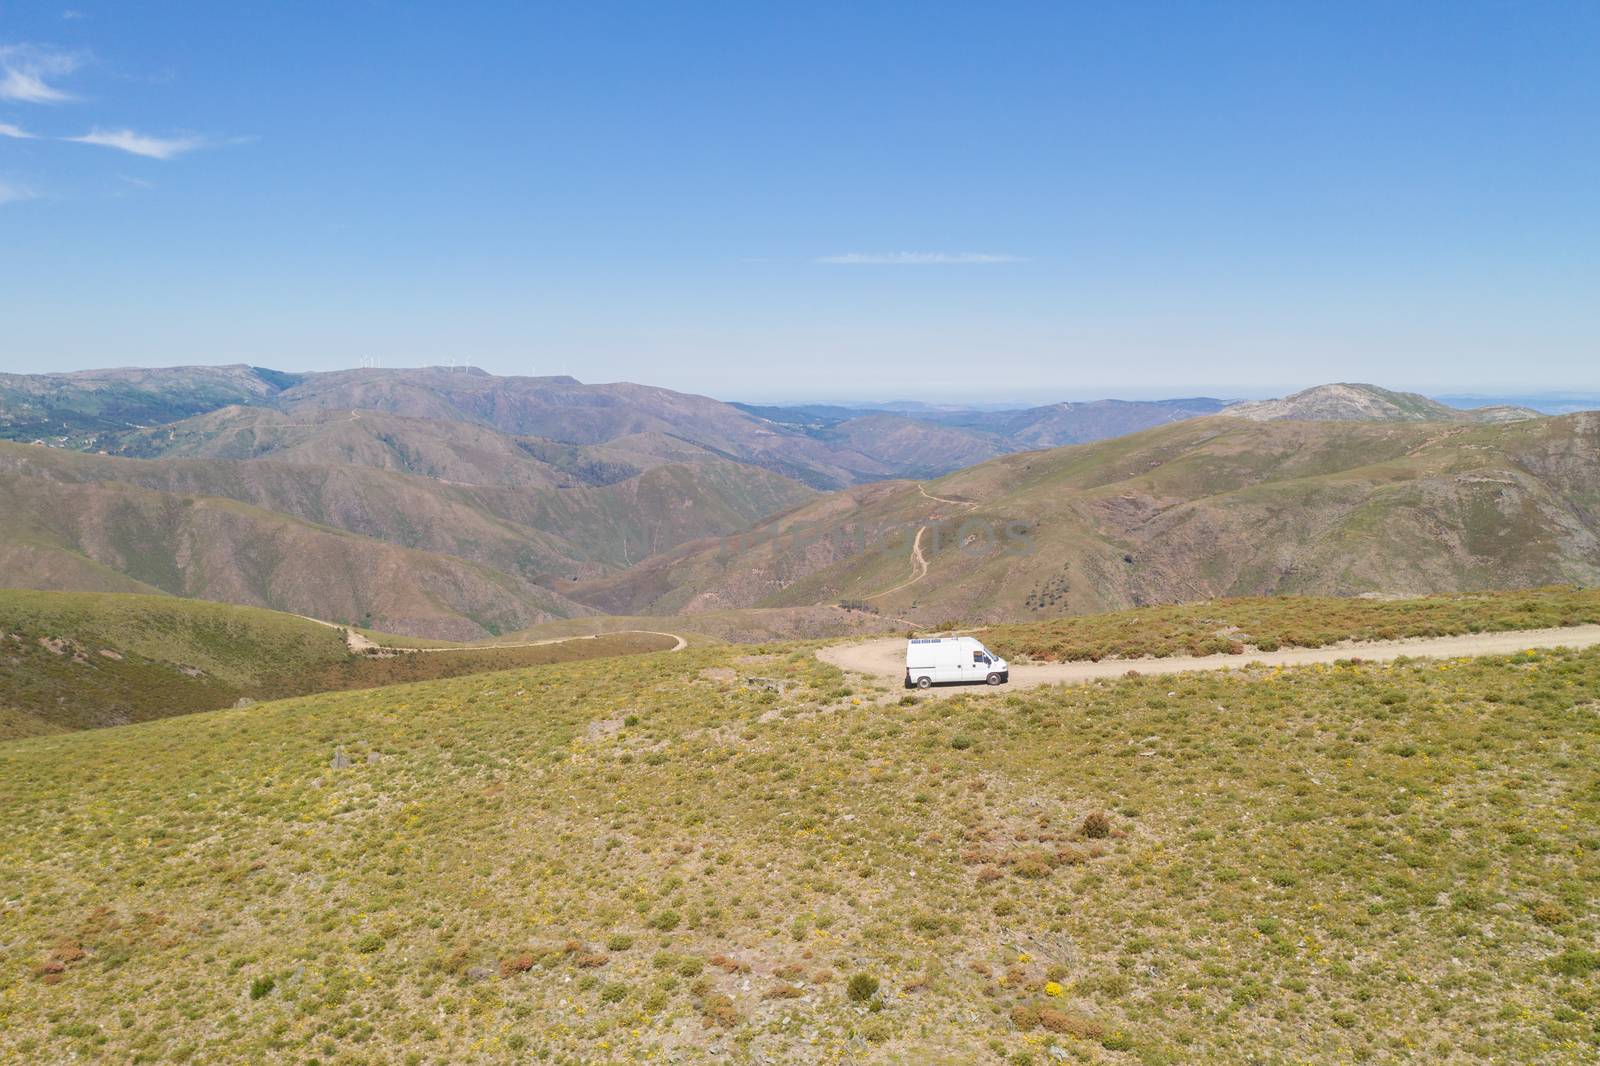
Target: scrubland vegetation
x=1231, y=626
x=729, y=853
x=84, y=660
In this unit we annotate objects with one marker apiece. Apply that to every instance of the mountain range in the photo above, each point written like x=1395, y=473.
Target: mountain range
x=448, y=502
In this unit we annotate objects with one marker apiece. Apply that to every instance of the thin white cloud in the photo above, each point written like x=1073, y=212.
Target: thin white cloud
x=139, y=143
x=27, y=70
x=919, y=258
x=11, y=194
x=8, y=130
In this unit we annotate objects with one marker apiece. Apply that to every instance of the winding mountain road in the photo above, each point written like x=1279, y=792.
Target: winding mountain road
x=919, y=562
x=885, y=659
x=919, y=567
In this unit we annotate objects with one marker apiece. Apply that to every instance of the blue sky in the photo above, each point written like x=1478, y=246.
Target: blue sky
x=818, y=201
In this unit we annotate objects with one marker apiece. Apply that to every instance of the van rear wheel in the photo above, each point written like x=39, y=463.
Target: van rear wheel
x=993, y=679
x=924, y=681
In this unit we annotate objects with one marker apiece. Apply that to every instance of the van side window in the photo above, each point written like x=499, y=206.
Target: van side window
x=978, y=657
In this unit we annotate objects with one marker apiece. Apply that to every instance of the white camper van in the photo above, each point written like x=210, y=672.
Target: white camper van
x=937, y=660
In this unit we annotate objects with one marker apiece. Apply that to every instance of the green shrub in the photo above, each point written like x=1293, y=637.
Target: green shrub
x=1576, y=962
x=861, y=987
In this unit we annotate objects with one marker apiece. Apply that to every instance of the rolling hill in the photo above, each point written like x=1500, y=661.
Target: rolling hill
x=114, y=536
x=566, y=410
x=1056, y=424
x=80, y=407
x=439, y=420
x=75, y=660
x=925, y=441
x=456, y=452
x=408, y=553
x=1204, y=508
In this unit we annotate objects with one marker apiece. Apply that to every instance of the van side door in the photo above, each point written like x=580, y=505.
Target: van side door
x=950, y=660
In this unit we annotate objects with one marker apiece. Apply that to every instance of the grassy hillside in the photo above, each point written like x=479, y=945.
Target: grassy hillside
x=85, y=660
x=1270, y=622
x=653, y=859
x=1202, y=509
x=749, y=625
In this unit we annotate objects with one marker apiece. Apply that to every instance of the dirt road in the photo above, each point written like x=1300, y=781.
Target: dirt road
x=919, y=562
x=362, y=645
x=886, y=659
x=919, y=567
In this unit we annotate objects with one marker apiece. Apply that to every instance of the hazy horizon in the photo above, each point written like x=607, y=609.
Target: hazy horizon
x=1551, y=401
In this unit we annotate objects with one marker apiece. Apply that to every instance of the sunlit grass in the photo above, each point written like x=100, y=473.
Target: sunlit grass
x=1270, y=622
x=628, y=860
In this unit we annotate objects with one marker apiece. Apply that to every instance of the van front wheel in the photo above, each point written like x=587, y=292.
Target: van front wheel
x=993, y=679
x=924, y=681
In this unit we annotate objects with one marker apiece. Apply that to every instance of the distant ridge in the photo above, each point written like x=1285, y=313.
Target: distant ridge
x=1354, y=402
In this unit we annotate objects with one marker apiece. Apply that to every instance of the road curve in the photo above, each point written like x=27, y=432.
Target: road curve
x=885, y=659
x=919, y=567
x=919, y=562
x=679, y=646
x=361, y=644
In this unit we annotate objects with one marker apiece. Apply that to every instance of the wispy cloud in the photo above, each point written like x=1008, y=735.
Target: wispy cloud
x=10, y=194
x=8, y=130
x=139, y=143
x=919, y=258
x=26, y=72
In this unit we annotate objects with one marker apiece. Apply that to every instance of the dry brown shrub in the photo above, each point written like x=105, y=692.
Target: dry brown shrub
x=516, y=964
x=718, y=1009
x=1071, y=1023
